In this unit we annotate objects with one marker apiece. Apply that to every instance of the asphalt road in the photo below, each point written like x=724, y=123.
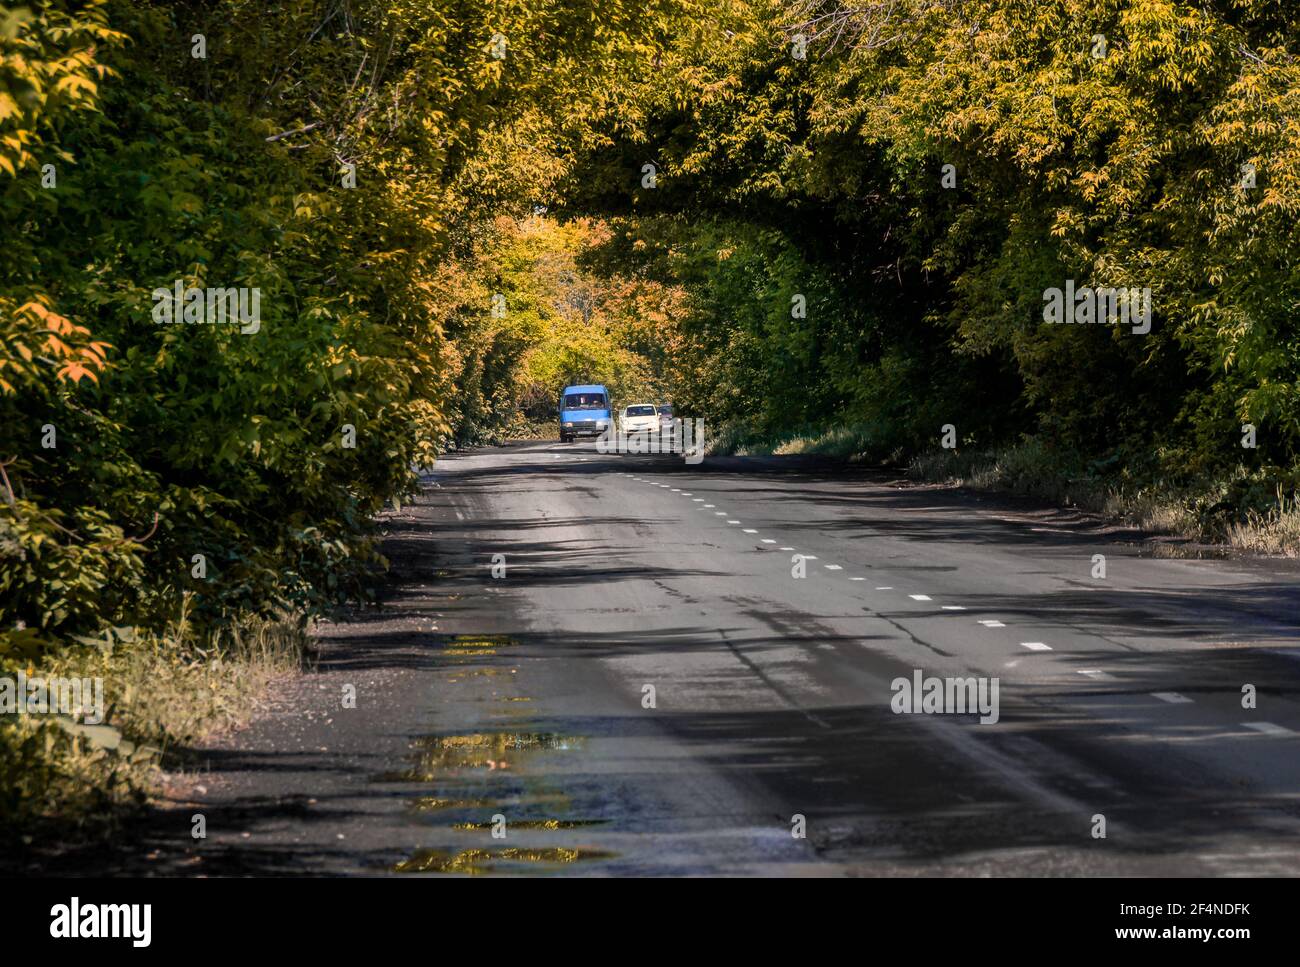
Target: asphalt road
x=520, y=701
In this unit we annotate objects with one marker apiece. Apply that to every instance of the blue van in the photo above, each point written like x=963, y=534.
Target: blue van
x=584, y=411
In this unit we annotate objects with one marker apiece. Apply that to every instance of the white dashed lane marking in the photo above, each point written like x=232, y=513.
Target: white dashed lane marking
x=1268, y=728
x=1096, y=674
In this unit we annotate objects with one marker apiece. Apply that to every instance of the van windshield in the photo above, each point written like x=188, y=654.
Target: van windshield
x=584, y=401
x=640, y=411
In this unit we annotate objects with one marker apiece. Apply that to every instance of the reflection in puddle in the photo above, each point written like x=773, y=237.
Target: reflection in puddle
x=453, y=770
x=437, y=755
x=506, y=860
x=476, y=644
x=428, y=804
x=484, y=672
x=536, y=824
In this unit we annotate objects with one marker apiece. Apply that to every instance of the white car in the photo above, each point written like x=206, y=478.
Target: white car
x=640, y=418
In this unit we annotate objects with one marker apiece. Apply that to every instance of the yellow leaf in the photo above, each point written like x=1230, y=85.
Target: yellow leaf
x=75, y=372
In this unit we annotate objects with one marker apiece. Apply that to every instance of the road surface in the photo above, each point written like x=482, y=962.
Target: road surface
x=517, y=704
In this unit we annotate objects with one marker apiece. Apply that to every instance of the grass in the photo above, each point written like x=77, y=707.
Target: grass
x=855, y=441
x=162, y=693
x=1277, y=532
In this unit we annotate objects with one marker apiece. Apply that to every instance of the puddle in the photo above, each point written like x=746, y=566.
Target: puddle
x=506, y=860
x=438, y=755
x=554, y=802
x=477, y=672
x=536, y=824
x=428, y=804
x=476, y=644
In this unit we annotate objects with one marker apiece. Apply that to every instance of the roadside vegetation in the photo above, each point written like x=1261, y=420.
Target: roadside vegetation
x=180, y=499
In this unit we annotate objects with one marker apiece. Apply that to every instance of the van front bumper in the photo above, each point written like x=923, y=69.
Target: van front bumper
x=583, y=428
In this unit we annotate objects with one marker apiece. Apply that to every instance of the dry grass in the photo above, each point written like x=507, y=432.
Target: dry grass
x=162, y=693
x=1273, y=533
x=851, y=441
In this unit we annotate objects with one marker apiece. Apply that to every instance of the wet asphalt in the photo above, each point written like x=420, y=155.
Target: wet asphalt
x=686, y=669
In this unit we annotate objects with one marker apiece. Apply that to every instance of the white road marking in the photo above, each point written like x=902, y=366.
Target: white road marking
x=1268, y=728
x=719, y=513
x=1173, y=698
x=732, y=521
x=676, y=490
x=953, y=607
x=919, y=597
x=750, y=530
x=785, y=548
x=768, y=540
x=832, y=567
x=857, y=579
x=685, y=494
x=808, y=557
x=1035, y=646
x=1097, y=674
x=698, y=500
x=991, y=623
x=885, y=587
